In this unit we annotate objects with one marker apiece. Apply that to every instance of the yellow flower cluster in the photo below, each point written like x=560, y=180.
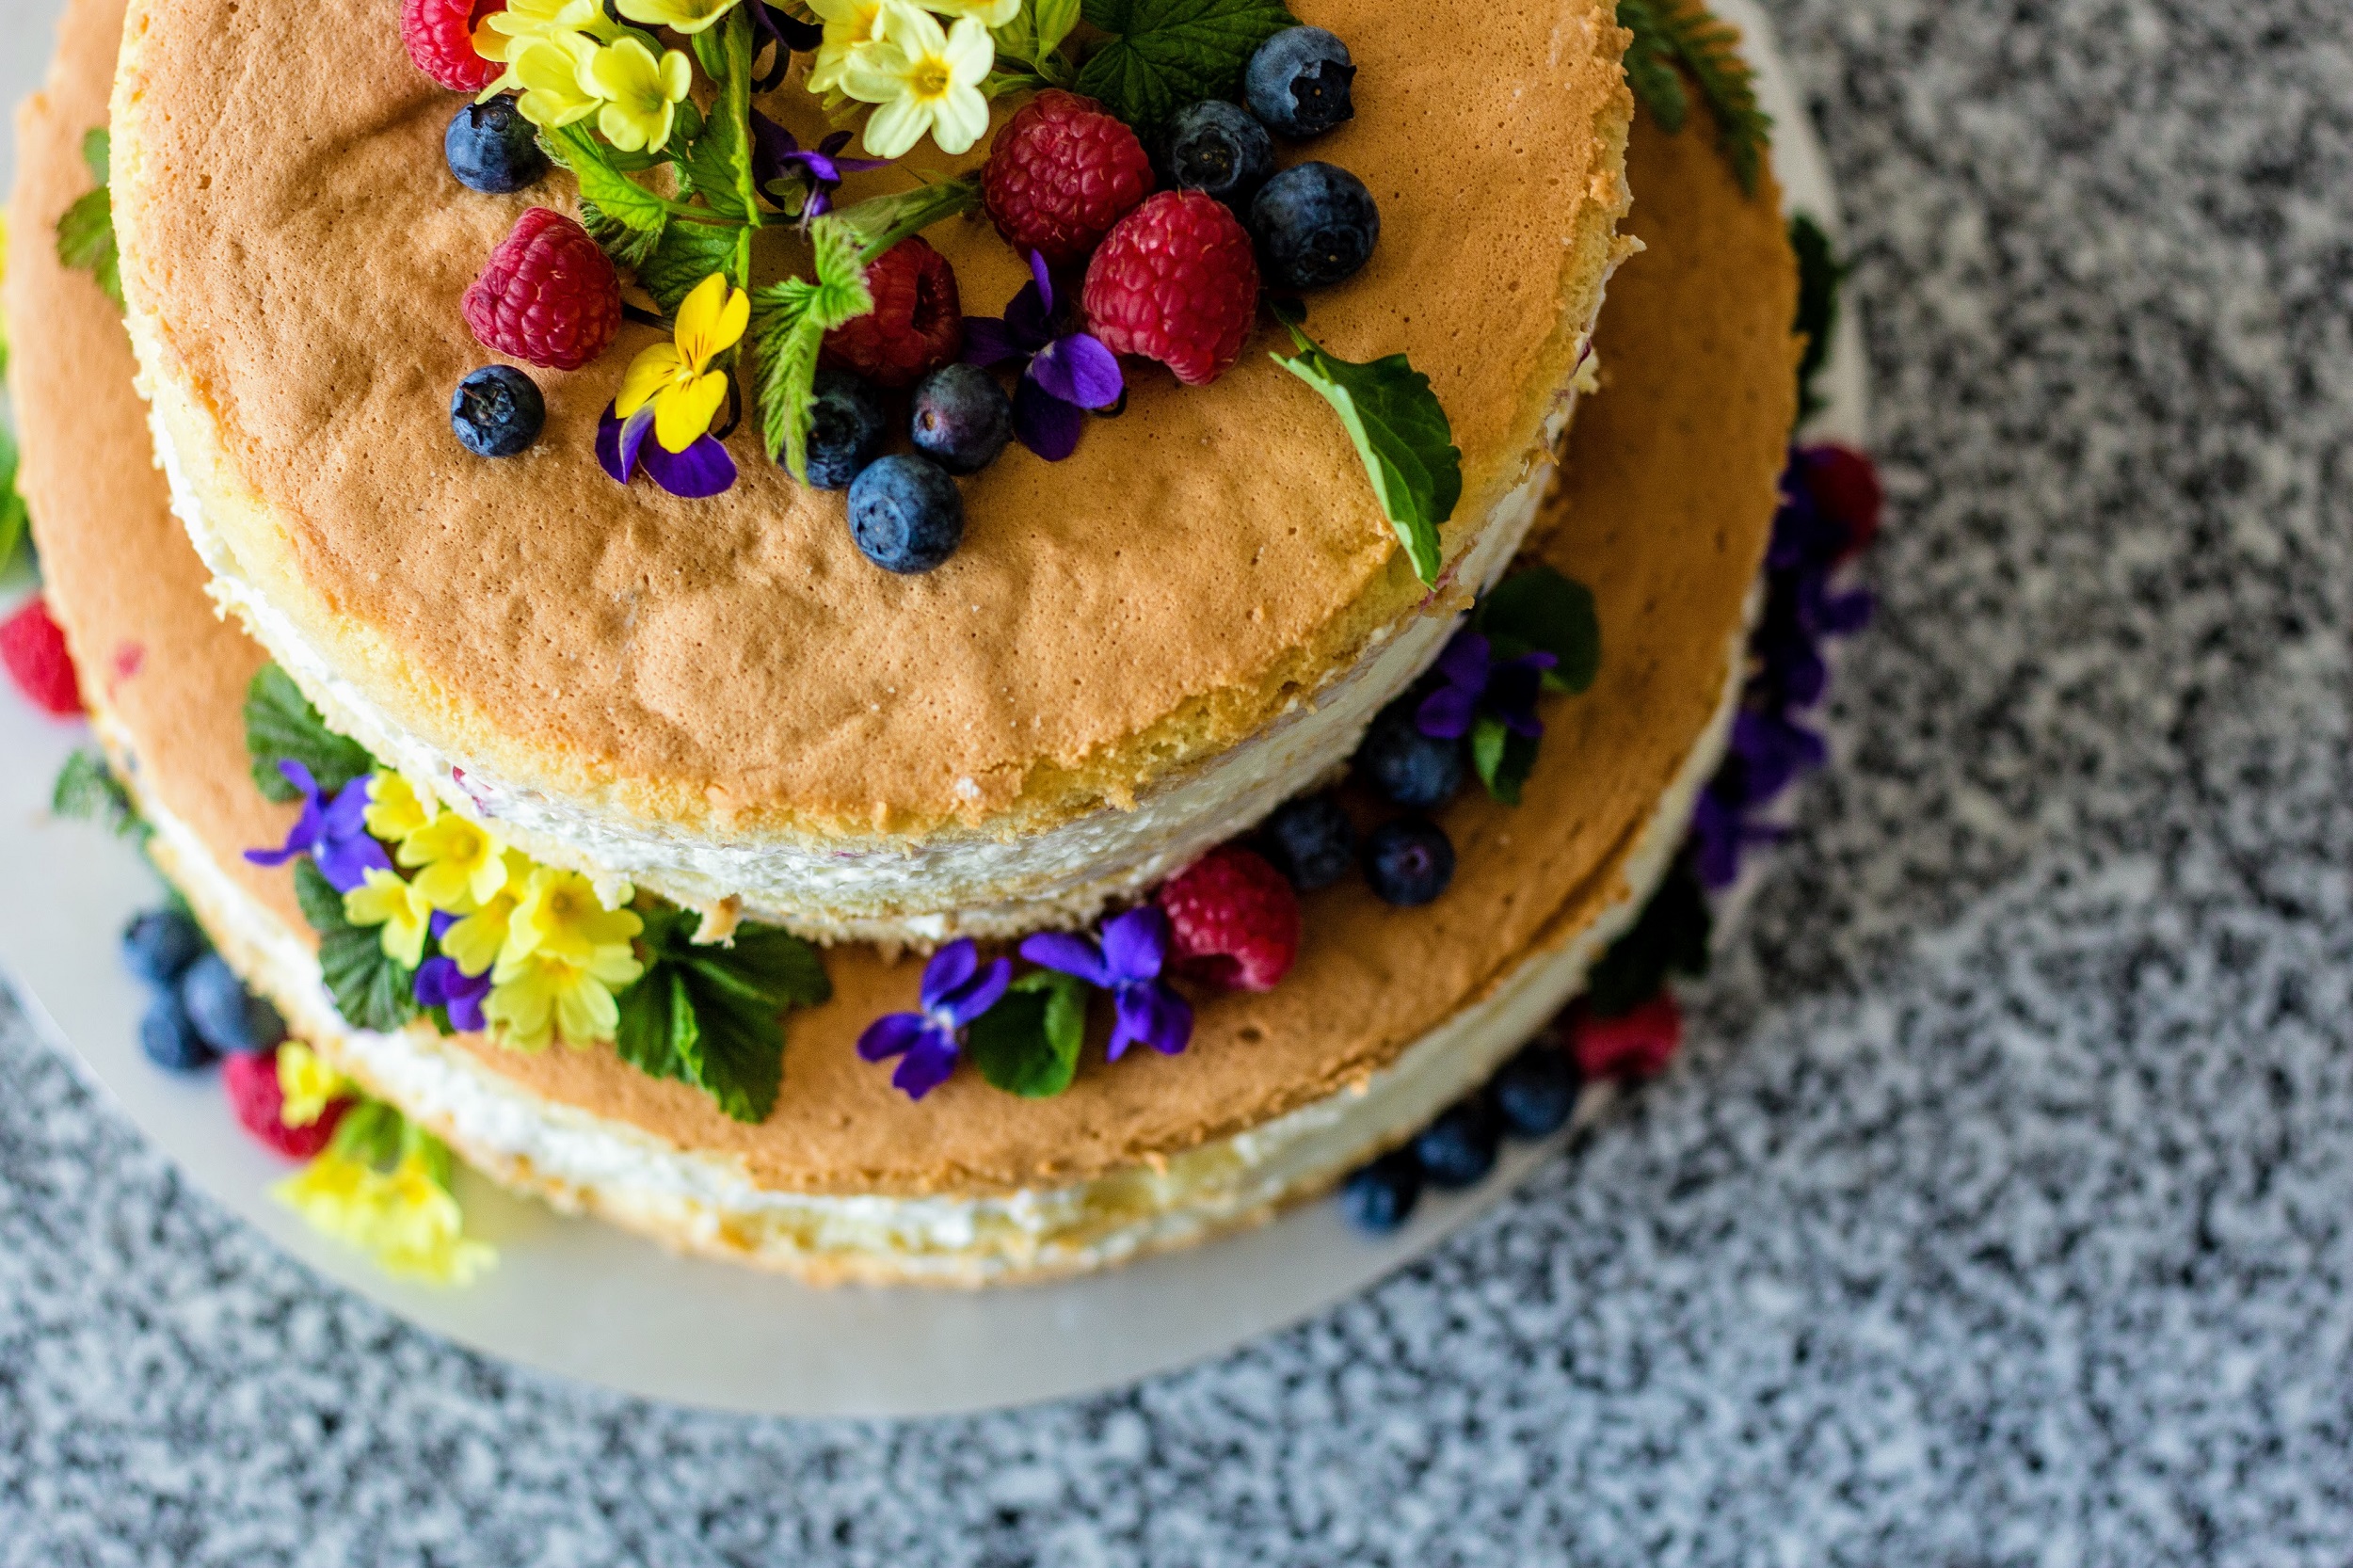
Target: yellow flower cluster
x=555, y=953
x=405, y=1217
x=306, y=1084
x=924, y=79
x=571, y=62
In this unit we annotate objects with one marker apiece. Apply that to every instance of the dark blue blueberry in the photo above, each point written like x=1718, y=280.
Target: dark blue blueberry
x=1405, y=767
x=168, y=1036
x=846, y=425
x=1216, y=148
x=1316, y=224
x=497, y=411
x=492, y=147
x=227, y=1016
x=1380, y=1197
x=1459, y=1148
x=1310, y=841
x=962, y=418
x=1300, y=82
x=159, y=945
x=1535, y=1092
x=1408, y=861
x=906, y=514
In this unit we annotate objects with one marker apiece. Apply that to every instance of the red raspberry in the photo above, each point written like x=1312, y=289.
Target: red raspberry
x=917, y=324
x=252, y=1080
x=34, y=649
x=1635, y=1045
x=547, y=296
x=1846, y=486
x=1176, y=282
x=1061, y=172
x=440, y=36
x=1233, y=920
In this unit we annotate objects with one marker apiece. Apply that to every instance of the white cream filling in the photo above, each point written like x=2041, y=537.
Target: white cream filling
x=706, y=1202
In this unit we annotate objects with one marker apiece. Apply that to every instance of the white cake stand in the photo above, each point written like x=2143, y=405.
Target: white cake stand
x=587, y=1302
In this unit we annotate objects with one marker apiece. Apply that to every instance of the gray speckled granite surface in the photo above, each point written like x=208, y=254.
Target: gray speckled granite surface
x=2003, y=1210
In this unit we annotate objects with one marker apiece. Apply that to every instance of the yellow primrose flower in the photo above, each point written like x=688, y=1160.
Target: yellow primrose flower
x=641, y=94
x=539, y=997
x=503, y=33
x=677, y=378
x=307, y=1083
x=464, y=862
x=683, y=16
x=553, y=73
x=925, y=81
x=394, y=809
x=408, y=1221
x=852, y=26
x=558, y=915
x=396, y=905
x=988, y=13
x=474, y=941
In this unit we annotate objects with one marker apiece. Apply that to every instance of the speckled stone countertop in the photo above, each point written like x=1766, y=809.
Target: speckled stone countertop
x=2002, y=1210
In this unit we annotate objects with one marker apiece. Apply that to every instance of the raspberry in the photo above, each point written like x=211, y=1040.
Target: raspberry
x=1634, y=1045
x=1063, y=171
x=1176, y=282
x=1846, y=486
x=916, y=324
x=34, y=649
x=1233, y=920
x=258, y=1101
x=440, y=36
x=547, y=296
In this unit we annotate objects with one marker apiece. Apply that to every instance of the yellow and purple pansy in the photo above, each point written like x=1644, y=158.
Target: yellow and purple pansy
x=660, y=421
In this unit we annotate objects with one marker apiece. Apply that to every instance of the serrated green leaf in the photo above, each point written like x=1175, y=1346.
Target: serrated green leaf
x=713, y=1017
x=790, y=320
x=687, y=253
x=1540, y=611
x=1819, y=277
x=626, y=218
x=1028, y=1043
x=85, y=241
x=13, y=516
x=98, y=155
x=1650, y=68
x=1670, y=34
x=1400, y=432
x=281, y=726
x=657, y=1034
x=372, y=990
x=1165, y=54
x=880, y=222
x=86, y=790
x=1670, y=936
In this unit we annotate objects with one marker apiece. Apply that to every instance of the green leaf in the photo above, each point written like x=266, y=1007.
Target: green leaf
x=1028, y=1044
x=372, y=990
x=13, y=516
x=98, y=155
x=1539, y=610
x=1671, y=936
x=1400, y=432
x=1819, y=276
x=281, y=726
x=1034, y=38
x=1165, y=54
x=880, y=222
x=1682, y=33
x=371, y=1133
x=790, y=320
x=717, y=164
x=1650, y=67
x=686, y=254
x=626, y=218
x=713, y=1017
x=86, y=790
x=86, y=240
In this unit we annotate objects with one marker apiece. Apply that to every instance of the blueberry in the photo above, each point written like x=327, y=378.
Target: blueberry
x=906, y=514
x=1381, y=1196
x=227, y=1016
x=962, y=418
x=1459, y=1148
x=490, y=147
x=1536, y=1091
x=1404, y=767
x=846, y=425
x=497, y=411
x=1409, y=861
x=1316, y=224
x=1217, y=149
x=1311, y=842
x=1298, y=82
x=168, y=1036
x=159, y=945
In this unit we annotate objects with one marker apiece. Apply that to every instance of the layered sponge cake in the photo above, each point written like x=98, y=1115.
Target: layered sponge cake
x=726, y=719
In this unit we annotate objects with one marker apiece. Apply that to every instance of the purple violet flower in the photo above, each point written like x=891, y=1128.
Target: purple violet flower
x=332, y=830
x=704, y=468
x=1128, y=962
x=440, y=983
x=779, y=159
x=1064, y=375
x=1721, y=830
x=957, y=988
x=1475, y=684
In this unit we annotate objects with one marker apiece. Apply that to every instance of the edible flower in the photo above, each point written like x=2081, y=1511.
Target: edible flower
x=641, y=94
x=542, y=997
x=558, y=915
x=332, y=831
x=957, y=989
x=441, y=983
x=779, y=161
x=1475, y=687
x=504, y=34
x=394, y=808
x=851, y=28
x=462, y=862
x=1066, y=373
x=988, y=13
x=386, y=900
x=477, y=939
x=1128, y=962
x=670, y=393
x=405, y=1217
x=306, y=1084
x=925, y=81
x=553, y=72
x=681, y=16
x=790, y=35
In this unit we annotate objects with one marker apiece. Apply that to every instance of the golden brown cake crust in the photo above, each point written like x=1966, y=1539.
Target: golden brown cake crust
x=735, y=664
x=1666, y=499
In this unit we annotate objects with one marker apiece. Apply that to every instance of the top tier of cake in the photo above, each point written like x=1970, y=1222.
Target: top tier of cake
x=1137, y=651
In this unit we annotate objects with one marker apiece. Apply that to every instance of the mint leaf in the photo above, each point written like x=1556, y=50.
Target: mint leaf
x=86, y=240
x=372, y=990
x=686, y=254
x=1165, y=54
x=1539, y=610
x=1672, y=34
x=1819, y=276
x=626, y=218
x=281, y=726
x=713, y=1016
x=86, y=790
x=1028, y=1044
x=1400, y=432
x=1671, y=936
